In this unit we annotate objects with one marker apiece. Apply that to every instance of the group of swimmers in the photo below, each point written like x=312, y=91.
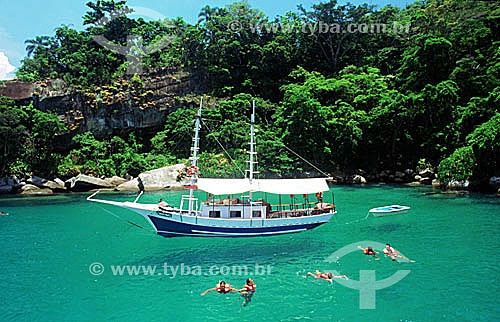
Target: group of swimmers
x=247, y=291
x=388, y=251
x=249, y=288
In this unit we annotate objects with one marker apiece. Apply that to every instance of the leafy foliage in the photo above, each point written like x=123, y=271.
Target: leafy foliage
x=342, y=100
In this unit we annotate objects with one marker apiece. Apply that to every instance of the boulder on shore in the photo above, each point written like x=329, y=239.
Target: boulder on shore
x=5, y=189
x=87, y=183
x=115, y=181
x=436, y=183
x=163, y=178
x=457, y=185
x=30, y=189
x=154, y=180
x=399, y=174
x=56, y=185
x=129, y=186
x=427, y=173
x=494, y=182
x=359, y=179
x=425, y=181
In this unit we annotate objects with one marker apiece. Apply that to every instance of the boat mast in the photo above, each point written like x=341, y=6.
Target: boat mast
x=252, y=149
x=194, y=162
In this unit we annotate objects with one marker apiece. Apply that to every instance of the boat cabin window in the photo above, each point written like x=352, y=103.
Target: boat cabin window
x=256, y=213
x=214, y=214
x=235, y=214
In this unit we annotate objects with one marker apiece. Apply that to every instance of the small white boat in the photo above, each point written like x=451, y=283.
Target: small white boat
x=389, y=210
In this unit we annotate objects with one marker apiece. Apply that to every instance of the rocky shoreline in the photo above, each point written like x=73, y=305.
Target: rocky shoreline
x=174, y=178
x=167, y=178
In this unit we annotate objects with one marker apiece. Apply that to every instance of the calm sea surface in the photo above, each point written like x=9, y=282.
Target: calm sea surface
x=49, y=243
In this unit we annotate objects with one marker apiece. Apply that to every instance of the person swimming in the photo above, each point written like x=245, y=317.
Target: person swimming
x=162, y=203
x=327, y=276
x=221, y=288
x=392, y=253
x=248, y=291
x=4, y=213
x=369, y=251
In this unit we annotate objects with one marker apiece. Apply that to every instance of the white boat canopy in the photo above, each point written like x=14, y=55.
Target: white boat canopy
x=276, y=186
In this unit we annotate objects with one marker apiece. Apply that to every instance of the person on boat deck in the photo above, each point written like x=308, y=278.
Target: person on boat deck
x=221, y=288
x=327, y=276
x=162, y=203
x=248, y=291
x=392, y=253
x=369, y=251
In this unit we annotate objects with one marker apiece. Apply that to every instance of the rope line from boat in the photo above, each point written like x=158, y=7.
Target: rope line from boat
x=127, y=221
x=350, y=222
x=281, y=142
x=225, y=151
x=303, y=159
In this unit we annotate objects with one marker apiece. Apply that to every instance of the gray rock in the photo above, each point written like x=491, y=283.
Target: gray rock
x=359, y=179
x=399, y=180
x=498, y=192
x=59, y=181
x=37, y=181
x=53, y=185
x=132, y=185
x=457, y=185
x=399, y=174
x=494, y=182
x=427, y=173
x=31, y=189
x=409, y=172
x=163, y=178
x=115, y=181
x=436, y=183
x=86, y=183
x=5, y=189
x=12, y=181
x=425, y=180
x=418, y=177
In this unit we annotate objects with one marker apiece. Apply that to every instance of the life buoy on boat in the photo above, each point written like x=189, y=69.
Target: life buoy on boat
x=192, y=170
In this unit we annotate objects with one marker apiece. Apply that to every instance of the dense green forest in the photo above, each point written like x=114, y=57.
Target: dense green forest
x=429, y=95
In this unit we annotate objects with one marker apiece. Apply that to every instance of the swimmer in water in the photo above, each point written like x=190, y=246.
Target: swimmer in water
x=369, y=251
x=4, y=213
x=327, y=276
x=162, y=203
x=392, y=253
x=221, y=288
x=248, y=291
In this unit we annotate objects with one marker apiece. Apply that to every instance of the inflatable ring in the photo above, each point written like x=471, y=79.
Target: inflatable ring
x=192, y=170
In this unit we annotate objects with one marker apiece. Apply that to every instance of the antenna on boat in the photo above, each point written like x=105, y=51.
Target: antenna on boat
x=194, y=163
x=252, y=152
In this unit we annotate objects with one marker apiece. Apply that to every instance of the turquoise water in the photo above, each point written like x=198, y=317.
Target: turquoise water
x=49, y=243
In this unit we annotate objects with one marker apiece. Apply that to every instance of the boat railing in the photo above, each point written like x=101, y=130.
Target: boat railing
x=300, y=212
x=195, y=204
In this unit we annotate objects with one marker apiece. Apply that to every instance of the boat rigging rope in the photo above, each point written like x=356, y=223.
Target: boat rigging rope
x=312, y=165
x=225, y=151
x=127, y=221
x=281, y=142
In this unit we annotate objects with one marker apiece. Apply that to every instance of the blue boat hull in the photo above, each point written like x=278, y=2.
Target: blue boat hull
x=168, y=228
